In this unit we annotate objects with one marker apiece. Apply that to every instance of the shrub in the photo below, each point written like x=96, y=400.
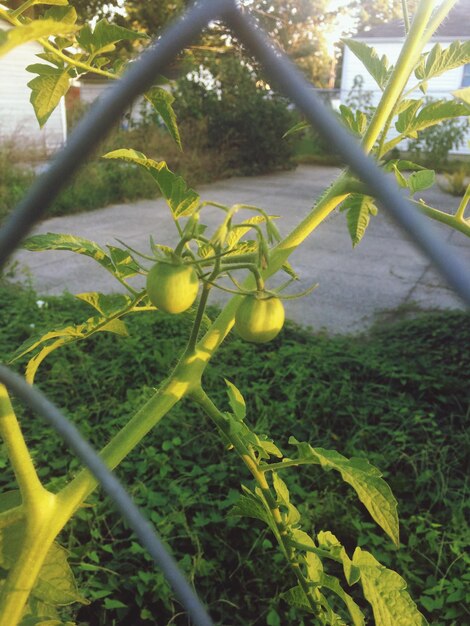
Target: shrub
x=245, y=122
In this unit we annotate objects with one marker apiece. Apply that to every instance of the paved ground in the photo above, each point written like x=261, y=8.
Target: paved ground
x=382, y=273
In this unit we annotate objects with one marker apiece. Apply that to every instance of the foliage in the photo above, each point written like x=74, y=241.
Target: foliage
x=244, y=121
x=434, y=144
x=399, y=398
x=330, y=577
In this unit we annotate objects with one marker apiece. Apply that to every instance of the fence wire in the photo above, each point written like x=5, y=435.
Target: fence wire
x=94, y=127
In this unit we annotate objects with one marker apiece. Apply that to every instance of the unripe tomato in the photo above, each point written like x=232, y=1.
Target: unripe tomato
x=259, y=319
x=172, y=288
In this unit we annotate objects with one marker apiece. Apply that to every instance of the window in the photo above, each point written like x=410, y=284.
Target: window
x=466, y=76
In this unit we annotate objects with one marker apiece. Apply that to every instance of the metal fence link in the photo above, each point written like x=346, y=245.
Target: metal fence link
x=93, y=128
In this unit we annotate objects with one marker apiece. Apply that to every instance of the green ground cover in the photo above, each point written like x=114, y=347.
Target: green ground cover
x=398, y=396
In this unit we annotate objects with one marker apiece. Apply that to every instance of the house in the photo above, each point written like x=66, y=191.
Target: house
x=387, y=39
x=17, y=118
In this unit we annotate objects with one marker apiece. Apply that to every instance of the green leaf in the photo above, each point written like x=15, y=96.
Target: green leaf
x=236, y=400
x=124, y=265
x=437, y=61
x=47, y=89
x=59, y=241
x=423, y=179
x=359, y=209
x=364, y=478
x=409, y=123
x=407, y=115
x=355, y=122
x=252, y=505
x=463, y=94
x=55, y=584
x=297, y=128
x=9, y=500
x=106, y=304
x=377, y=67
x=386, y=591
x=38, y=29
x=327, y=541
x=296, y=597
x=112, y=308
x=333, y=584
x=162, y=101
x=66, y=14
x=183, y=201
x=104, y=36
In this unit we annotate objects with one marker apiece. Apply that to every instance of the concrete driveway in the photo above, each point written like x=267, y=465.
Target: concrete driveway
x=384, y=272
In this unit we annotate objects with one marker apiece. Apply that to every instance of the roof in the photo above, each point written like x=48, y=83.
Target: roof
x=457, y=24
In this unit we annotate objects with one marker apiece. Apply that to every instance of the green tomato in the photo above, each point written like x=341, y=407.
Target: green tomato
x=259, y=319
x=172, y=288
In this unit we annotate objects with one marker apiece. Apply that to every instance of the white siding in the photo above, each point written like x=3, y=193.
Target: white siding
x=438, y=87
x=17, y=116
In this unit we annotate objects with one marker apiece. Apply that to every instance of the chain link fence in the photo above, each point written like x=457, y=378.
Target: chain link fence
x=93, y=128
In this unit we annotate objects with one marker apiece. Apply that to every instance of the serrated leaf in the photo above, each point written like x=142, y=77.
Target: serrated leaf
x=70, y=243
x=407, y=115
x=296, y=597
x=182, y=200
x=38, y=29
x=463, y=94
x=55, y=584
x=385, y=590
x=103, y=37
x=359, y=208
x=47, y=89
x=236, y=400
x=410, y=123
x=162, y=101
x=52, y=340
x=377, y=67
x=355, y=122
x=333, y=584
x=364, y=478
x=235, y=235
x=124, y=264
x=251, y=505
x=105, y=304
x=417, y=181
x=437, y=61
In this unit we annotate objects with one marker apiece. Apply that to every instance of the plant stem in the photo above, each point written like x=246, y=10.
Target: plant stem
x=454, y=221
x=459, y=214
x=403, y=68
x=31, y=489
x=281, y=531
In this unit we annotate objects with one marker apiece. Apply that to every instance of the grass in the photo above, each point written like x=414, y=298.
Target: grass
x=100, y=183
x=398, y=396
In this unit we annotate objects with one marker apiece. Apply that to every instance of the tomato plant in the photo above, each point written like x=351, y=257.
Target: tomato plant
x=31, y=562
x=259, y=318
x=172, y=287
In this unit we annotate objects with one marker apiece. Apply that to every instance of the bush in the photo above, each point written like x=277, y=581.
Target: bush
x=244, y=121
x=433, y=144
